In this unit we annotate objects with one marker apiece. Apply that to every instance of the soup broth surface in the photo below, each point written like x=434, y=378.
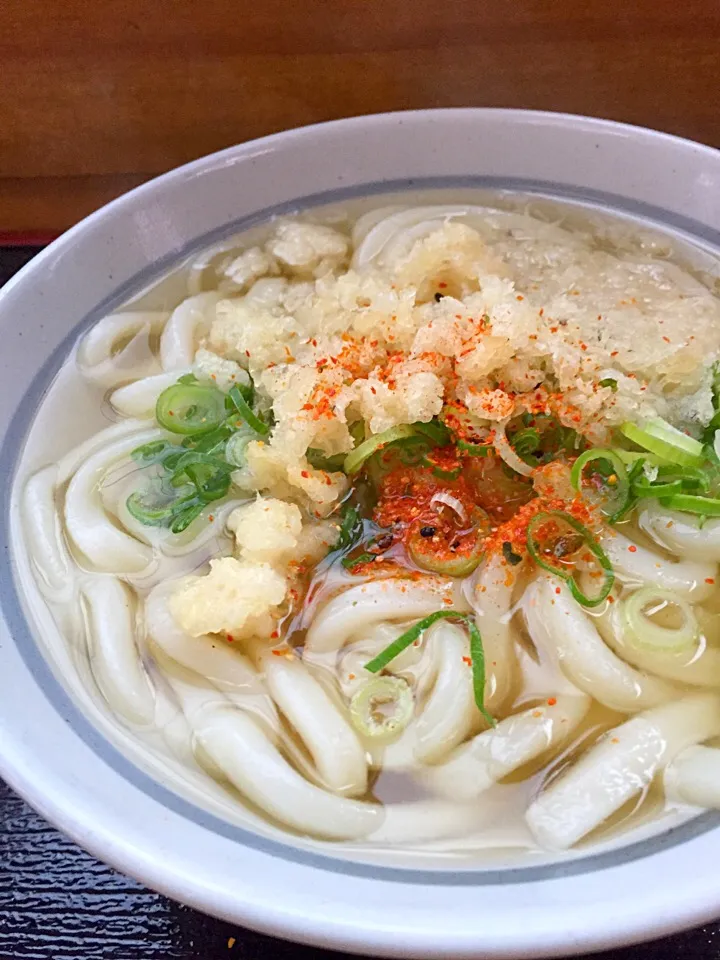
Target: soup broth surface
x=249, y=493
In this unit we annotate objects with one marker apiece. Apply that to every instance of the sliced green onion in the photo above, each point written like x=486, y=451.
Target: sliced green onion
x=435, y=553
x=613, y=498
x=235, y=451
x=192, y=457
x=210, y=484
x=350, y=527
x=356, y=458
x=477, y=653
x=183, y=519
x=382, y=708
x=525, y=442
x=153, y=507
x=609, y=382
x=465, y=425
x=475, y=449
x=243, y=408
x=319, y=461
x=154, y=452
x=691, y=477
x=710, y=433
x=643, y=488
x=190, y=409
x=246, y=390
x=511, y=557
x=687, y=503
x=565, y=545
x=410, y=451
x=635, y=471
x=212, y=442
x=646, y=603
x=351, y=562
x=144, y=507
x=447, y=566
x=506, y=452
x=447, y=474
x=435, y=430
x=660, y=437
x=440, y=468
x=477, y=660
x=357, y=432
x=631, y=457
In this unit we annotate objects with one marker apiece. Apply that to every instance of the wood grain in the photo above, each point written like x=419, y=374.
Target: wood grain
x=109, y=93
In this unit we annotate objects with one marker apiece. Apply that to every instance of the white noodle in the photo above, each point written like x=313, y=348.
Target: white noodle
x=699, y=666
x=72, y=461
x=450, y=710
x=640, y=565
x=335, y=748
x=680, y=533
x=210, y=657
x=256, y=768
x=392, y=237
x=138, y=399
x=186, y=324
x=475, y=766
x=277, y=728
x=91, y=530
x=359, y=607
x=197, y=269
x=114, y=656
x=694, y=777
x=622, y=764
x=490, y=592
x=101, y=362
x=46, y=545
x=429, y=820
x=558, y=626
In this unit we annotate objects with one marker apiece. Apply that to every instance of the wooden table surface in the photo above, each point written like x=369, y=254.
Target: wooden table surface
x=99, y=95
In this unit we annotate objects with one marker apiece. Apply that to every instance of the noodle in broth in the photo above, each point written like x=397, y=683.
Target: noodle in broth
x=403, y=532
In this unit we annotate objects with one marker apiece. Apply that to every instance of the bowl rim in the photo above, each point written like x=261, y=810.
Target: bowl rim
x=382, y=941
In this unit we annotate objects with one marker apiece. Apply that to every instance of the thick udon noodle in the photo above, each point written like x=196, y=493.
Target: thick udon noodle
x=588, y=725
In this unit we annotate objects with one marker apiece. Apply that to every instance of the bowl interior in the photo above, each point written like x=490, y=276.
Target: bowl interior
x=84, y=770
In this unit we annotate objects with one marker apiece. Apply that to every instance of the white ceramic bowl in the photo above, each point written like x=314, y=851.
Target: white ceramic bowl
x=52, y=754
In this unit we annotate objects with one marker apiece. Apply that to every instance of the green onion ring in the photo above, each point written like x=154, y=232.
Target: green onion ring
x=190, y=409
x=687, y=503
x=351, y=562
x=381, y=691
x=243, y=408
x=477, y=653
x=589, y=541
x=643, y=488
x=645, y=633
x=612, y=506
x=660, y=437
x=475, y=449
x=435, y=430
x=357, y=457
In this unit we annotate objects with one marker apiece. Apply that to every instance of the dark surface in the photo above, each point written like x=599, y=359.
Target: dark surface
x=59, y=903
